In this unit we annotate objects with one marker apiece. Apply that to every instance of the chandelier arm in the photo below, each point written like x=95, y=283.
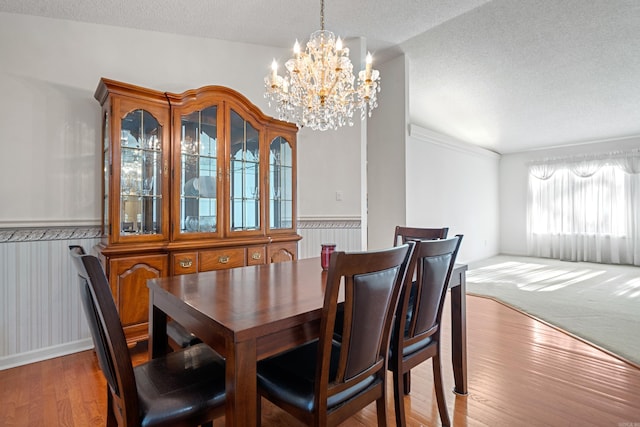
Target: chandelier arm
x=333, y=86
x=323, y=74
x=316, y=76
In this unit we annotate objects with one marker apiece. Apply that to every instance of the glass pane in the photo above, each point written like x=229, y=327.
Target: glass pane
x=199, y=166
x=141, y=215
x=251, y=212
x=245, y=175
x=286, y=208
x=140, y=174
x=287, y=185
x=280, y=184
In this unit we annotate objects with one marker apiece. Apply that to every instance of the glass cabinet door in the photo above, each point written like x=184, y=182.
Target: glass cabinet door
x=280, y=184
x=198, y=176
x=140, y=174
x=244, y=167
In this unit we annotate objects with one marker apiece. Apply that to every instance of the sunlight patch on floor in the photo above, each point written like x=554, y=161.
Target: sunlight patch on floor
x=531, y=277
x=631, y=288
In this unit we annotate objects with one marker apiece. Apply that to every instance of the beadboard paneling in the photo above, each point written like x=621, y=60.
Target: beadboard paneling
x=41, y=314
x=345, y=233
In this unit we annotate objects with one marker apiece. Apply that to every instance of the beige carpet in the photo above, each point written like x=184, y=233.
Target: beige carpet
x=599, y=303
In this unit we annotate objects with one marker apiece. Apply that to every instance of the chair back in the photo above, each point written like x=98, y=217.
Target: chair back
x=435, y=260
x=108, y=336
x=371, y=282
x=402, y=234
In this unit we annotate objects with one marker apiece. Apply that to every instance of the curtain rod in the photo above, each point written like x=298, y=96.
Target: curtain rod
x=586, y=157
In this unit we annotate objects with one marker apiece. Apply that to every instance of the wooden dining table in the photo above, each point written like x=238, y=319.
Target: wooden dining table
x=249, y=313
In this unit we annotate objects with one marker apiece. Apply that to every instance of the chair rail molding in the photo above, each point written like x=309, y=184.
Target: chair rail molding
x=31, y=234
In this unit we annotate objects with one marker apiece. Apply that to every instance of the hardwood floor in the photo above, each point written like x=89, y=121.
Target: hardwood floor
x=521, y=372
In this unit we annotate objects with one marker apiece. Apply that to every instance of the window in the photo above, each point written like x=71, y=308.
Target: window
x=567, y=203
x=586, y=209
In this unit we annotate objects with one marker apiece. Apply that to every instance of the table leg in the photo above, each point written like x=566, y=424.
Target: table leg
x=459, y=334
x=241, y=384
x=158, y=342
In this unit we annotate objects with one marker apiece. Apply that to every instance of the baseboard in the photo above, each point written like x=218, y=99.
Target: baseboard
x=41, y=354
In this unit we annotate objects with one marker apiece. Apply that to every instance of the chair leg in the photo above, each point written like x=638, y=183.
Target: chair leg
x=381, y=410
x=259, y=411
x=398, y=397
x=407, y=382
x=111, y=417
x=437, y=382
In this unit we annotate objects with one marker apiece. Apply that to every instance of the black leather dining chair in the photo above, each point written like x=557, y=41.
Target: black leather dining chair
x=324, y=382
x=416, y=333
x=401, y=235
x=184, y=388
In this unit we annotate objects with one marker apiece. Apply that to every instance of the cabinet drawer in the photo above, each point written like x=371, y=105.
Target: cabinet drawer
x=256, y=255
x=184, y=263
x=221, y=258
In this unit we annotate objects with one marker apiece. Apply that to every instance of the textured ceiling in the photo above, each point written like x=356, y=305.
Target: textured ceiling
x=508, y=75
x=518, y=75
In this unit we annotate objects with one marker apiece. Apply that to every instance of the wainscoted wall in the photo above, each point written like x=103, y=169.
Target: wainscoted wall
x=346, y=233
x=41, y=314
x=40, y=311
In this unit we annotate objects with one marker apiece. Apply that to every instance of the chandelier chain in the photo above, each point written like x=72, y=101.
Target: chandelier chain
x=322, y=15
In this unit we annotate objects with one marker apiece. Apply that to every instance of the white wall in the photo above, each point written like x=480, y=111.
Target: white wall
x=514, y=182
x=420, y=178
x=386, y=173
x=453, y=184
x=50, y=122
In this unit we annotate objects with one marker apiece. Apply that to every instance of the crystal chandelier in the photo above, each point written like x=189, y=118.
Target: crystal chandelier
x=318, y=90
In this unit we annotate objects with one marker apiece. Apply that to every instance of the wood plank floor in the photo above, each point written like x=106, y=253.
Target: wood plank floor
x=521, y=373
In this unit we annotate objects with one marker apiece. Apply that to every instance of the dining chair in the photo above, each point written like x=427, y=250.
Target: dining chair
x=179, y=337
x=401, y=234
x=183, y=388
x=416, y=332
x=324, y=382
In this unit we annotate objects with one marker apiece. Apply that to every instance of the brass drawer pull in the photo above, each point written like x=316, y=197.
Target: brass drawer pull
x=256, y=255
x=223, y=259
x=186, y=263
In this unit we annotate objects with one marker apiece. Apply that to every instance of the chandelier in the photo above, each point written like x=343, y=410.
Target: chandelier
x=318, y=89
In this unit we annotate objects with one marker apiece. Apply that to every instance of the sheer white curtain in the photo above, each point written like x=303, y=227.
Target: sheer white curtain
x=586, y=209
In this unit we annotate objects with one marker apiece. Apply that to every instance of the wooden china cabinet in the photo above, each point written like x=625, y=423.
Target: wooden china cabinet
x=192, y=182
